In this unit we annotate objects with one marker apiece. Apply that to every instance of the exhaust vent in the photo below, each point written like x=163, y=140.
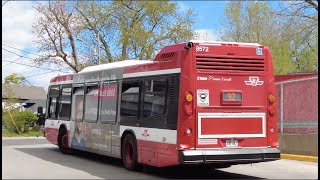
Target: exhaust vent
x=167, y=56
x=204, y=63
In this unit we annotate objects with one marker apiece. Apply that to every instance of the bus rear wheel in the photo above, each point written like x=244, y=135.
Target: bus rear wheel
x=63, y=142
x=129, y=152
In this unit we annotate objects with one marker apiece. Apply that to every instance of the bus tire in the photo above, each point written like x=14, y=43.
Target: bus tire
x=63, y=141
x=129, y=152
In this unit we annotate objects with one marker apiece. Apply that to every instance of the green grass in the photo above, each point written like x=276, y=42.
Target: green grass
x=6, y=133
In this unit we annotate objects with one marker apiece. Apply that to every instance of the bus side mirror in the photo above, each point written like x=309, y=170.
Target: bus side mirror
x=40, y=110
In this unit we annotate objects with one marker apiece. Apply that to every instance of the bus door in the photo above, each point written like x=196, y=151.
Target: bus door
x=231, y=97
x=108, y=113
x=104, y=99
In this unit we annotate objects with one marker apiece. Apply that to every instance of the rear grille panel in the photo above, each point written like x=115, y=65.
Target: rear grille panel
x=204, y=63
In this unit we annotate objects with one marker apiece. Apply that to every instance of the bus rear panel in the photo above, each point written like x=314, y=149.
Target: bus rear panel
x=227, y=110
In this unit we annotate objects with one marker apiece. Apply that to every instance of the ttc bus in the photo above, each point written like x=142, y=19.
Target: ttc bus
x=200, y=102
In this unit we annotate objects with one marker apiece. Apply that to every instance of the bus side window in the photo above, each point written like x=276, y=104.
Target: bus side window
x=53, y=107
x=91, y=103
x=65, y=103
x=154, y=97
x=53, y=102
x=108, y=97
x=130, y=99
x=77, y=104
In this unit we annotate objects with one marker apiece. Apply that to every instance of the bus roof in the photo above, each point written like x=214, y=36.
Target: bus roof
x=223, y=42
x=115, y=65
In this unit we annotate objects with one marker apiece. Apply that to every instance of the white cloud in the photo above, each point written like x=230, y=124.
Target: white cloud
x=17, y=20
x=205, y=34
x=182, y=7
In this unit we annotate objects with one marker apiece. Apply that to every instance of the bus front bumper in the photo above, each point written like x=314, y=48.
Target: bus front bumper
x=244, y=155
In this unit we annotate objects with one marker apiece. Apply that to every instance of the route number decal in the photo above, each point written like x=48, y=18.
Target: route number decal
x=202, y=49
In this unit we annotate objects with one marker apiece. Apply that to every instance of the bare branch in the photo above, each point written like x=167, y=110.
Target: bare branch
x=314, y=5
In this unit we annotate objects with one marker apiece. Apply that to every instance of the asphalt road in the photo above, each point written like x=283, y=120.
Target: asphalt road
x=35, y=158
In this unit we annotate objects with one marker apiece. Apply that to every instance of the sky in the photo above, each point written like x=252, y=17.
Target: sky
x=18, y=47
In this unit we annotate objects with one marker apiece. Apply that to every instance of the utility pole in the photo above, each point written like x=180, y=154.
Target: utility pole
x=98, y=48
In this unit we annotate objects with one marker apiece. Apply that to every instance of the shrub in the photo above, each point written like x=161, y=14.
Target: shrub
x=25, y=121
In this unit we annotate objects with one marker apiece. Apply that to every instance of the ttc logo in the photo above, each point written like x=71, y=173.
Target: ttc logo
x=254, y=81
x=145, y=133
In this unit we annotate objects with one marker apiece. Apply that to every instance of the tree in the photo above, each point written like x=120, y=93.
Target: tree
x=303, y=16
x=126, y=30
x=55, y=32
x=8, y=108
x=135, y=29
x=251, y=21
x=14, y=78
x=256, y=21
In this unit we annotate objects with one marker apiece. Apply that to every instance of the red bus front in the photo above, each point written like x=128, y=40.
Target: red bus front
x=226, y=108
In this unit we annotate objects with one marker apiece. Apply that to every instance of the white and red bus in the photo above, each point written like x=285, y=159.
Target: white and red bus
x=199, y=102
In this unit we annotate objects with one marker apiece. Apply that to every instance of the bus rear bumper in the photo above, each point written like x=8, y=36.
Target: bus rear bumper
x=228, y=155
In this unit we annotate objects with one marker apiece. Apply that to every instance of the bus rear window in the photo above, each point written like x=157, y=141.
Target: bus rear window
x=130, y=98
x=154, y=97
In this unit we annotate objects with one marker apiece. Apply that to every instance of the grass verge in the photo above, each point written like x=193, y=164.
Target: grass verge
x=6, y=133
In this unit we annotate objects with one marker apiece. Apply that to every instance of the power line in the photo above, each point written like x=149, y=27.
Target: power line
x=17, y=54
x=28, y=58
x=28, y=82
x=35, y=66
x=39, y=74
x=21, y=50
x=5, y=2
x=7, y=64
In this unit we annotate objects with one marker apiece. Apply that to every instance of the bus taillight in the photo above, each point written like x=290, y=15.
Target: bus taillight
x=272, y=111
x=189, y=96
x=188, y=106
x=188, y=109
x=272, y=98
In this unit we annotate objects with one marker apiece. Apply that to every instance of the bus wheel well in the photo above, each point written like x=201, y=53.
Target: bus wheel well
x=124, y=134
x=62, y=127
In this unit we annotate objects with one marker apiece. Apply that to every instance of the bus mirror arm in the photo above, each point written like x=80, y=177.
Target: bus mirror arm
x=188, y=45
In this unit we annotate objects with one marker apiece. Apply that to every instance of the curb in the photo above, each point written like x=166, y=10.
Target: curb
x=300, y=157
x=7, y=138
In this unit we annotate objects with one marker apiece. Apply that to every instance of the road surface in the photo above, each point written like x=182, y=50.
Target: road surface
x=35, y=158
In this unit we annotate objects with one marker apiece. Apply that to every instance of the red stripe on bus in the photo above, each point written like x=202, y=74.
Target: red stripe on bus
x=51, y=135
x=62, y=78
x=157, y=154
x=151, y=67
x=210, y=126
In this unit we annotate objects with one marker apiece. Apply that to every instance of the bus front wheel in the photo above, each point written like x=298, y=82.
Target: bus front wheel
x=129, y=152
x=63, y=141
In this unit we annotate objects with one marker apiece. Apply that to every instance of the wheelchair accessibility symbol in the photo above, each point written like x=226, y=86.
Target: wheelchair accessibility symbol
x=259, y=51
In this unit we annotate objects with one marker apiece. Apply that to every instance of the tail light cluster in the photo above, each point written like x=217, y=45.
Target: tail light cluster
x=272, y=100
x=188, y=107
x=272, y=137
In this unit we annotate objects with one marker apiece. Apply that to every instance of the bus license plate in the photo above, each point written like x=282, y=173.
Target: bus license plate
x=232, y=143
